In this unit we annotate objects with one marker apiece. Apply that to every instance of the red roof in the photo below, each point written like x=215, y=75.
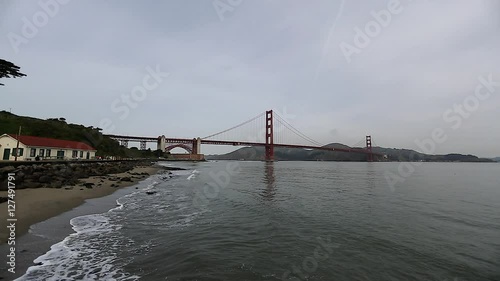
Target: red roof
x=55, y=143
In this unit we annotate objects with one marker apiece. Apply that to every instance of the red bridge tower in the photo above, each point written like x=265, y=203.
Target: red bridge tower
x=269, y=136
x=369, y=148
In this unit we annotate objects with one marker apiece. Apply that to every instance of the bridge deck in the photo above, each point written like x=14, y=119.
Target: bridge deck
x=238, y=143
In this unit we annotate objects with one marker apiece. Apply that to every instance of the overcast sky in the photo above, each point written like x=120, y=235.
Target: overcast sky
x=229, y=60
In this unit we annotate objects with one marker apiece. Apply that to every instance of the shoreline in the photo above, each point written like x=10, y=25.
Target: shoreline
x=40, y=204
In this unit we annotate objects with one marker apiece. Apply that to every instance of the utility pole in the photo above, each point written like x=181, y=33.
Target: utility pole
x=17, y=146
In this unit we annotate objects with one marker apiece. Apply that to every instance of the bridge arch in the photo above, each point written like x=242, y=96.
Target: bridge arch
x=186, y=147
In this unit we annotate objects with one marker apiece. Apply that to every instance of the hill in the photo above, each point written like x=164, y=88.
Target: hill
x=298, y=154
x=287, y=154
x=496, y=159
x=58, y=128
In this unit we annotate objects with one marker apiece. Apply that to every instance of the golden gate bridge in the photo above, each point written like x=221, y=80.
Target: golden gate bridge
x=268, y=130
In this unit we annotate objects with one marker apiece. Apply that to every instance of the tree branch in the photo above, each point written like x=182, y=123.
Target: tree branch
x=9, y=70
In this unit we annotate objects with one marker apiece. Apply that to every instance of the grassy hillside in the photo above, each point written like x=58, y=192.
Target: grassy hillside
x=58, y=128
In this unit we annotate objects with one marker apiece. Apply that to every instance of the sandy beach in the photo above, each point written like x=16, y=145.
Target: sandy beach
x=36, y=205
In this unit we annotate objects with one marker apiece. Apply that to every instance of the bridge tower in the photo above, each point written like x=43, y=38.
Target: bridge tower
x=161, y=145
x=196, y=146
x=269, y=136
x=369, y=148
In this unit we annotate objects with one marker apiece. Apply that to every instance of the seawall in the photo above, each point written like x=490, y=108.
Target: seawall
x=56, y=174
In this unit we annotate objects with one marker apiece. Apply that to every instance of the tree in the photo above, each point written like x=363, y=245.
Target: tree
x=9, y=70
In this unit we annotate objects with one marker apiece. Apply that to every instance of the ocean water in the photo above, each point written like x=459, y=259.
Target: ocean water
x=291, y=221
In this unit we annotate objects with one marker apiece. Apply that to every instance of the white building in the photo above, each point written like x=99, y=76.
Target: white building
x=45, y=148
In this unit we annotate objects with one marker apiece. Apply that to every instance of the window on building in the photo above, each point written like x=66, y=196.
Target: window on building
x=21, y=152
x=47, y=153
x=75, y=154
x=81, y=154
x=42, y=152
x=60, y=154
x=33, y=152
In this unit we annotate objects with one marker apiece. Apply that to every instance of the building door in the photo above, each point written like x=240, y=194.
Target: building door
x=6, y=154
x=88, y=155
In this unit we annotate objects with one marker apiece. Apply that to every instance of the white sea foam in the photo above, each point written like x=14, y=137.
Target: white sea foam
x=91, y=253
x=87, y=254
x=120, y=202
x=151, y=185
x=193, y=175
x=119, y=207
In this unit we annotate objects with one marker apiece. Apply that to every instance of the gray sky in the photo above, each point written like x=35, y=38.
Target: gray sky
x=229, y=60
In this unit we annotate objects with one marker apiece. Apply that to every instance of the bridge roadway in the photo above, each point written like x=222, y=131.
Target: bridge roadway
x=239, y=143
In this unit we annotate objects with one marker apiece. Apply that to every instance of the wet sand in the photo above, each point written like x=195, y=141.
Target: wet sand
x=36, y=205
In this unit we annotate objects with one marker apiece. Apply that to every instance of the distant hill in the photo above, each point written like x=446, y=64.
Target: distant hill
x=395, y=154
x=298, y=154
x=496, y=159
x=287, y=154
x=58, y=128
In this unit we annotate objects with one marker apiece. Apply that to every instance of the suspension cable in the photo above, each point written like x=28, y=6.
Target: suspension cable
x=296, y=131
x=239, y=125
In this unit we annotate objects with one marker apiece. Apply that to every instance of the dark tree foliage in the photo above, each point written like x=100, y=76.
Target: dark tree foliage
x=9, y=70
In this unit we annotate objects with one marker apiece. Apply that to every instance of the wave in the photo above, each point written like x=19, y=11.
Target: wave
x=87, y=254
x=94, y=250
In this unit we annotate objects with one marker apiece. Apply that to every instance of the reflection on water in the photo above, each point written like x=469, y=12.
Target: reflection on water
x=270, y=190
x=371, y=175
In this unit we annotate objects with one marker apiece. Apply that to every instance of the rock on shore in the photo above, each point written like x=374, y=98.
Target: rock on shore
x=58, y=175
